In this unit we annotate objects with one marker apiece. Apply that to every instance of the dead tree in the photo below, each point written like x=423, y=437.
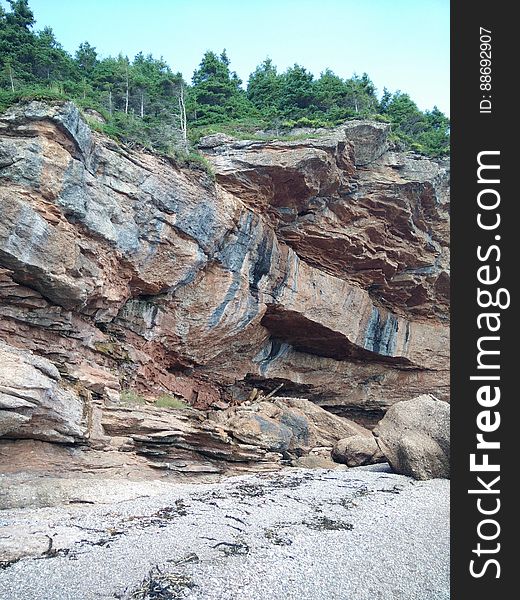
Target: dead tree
x=182, y=116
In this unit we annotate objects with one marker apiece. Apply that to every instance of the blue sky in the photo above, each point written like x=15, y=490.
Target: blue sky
x=401, y=44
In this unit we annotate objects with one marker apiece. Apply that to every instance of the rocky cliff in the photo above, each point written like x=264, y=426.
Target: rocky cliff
x=320, y=263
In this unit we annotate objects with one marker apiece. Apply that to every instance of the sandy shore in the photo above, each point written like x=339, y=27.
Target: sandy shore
x=362, y=534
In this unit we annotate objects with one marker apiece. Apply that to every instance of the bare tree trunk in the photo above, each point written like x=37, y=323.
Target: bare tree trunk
x=184, y=123
x=11, y=78
x=127, y=90
x=142, y=104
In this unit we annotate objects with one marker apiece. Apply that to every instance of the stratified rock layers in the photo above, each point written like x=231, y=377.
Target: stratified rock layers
x=319, y=263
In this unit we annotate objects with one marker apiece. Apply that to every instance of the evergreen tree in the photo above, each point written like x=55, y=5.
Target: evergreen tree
x=361, y=95
x=86, y=59
x=436, y=137
x=297, y=92
x=17, y=43
x=216, y=90
x=148, y=104
x=264, y=87
x=385, y=101
x=51, y=62
x=331, y=91
x=404, y=113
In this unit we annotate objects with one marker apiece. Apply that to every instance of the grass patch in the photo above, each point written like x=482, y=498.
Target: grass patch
x=26, y=94
x=250, y=132
x=194, y=160
x=132, y=397
x=169, y=401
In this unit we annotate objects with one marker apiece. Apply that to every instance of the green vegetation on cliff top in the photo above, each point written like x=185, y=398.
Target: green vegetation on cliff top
x=144, y=103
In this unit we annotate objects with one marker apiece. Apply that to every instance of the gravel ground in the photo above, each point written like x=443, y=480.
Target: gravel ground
x=298, y=534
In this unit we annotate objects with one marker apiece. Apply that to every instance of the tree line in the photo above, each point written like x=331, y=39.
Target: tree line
x=144, y=102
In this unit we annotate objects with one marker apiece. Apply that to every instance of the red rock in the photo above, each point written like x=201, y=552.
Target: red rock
x=321, y=263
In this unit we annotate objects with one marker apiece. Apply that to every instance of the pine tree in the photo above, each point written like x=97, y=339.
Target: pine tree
x=297, y=92
x=264, y=86
x=17, y=44
x=86, y=59
x=216, y=92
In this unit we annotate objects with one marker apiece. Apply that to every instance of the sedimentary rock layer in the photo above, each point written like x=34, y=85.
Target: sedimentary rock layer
x=319, y=263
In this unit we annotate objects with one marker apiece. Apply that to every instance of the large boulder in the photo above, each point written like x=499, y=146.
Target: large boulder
x=357, y=450
x=327, y=427
x=260, y=430
x=414, y=435
x=293, y=425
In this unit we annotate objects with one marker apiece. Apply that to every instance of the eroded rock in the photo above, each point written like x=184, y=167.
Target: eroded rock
x=320, y=263
x=33, y=404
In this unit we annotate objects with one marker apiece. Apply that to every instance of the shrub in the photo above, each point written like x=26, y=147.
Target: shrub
x=132, y=397
x=169, y=401
x=8, y=98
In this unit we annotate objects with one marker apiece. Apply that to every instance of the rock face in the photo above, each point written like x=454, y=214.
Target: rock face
x=293, y=425
x=320, y=263
x=414, y=436
x=146, y=441
x=32, y=402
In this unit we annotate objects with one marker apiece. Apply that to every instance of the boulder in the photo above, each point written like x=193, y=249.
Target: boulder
x=283, y=424
x=370, y=140
x=316, y=461
x=357, y=450
x=327, y=427
x=214, y=140
x=258, y=430
x=269, y=425
x=414, y=435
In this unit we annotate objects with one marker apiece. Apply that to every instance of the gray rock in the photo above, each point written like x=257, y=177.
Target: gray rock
x=293, y=425
x=214, y=140
x=357, y=450
x=327, y=427
x=33, y=403
x=414, y=435
x=316, y=461
x=370, y=140
x=259, y=430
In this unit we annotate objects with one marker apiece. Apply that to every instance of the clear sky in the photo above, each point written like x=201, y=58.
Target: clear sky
x=401, y=44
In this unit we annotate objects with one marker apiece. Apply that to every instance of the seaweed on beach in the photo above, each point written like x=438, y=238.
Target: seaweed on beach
x=232, y=548
x=161, y=517
x=325, y=524
x=158, y=585
x=277, y=537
